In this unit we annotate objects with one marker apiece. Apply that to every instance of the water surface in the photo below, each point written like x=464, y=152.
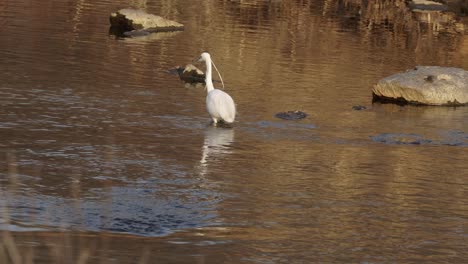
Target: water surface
x=104, y=155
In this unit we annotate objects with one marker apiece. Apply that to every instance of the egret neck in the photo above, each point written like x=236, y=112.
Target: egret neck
x=208, y=79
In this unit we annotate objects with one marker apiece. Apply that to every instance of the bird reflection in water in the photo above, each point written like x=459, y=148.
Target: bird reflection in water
x=217, y=144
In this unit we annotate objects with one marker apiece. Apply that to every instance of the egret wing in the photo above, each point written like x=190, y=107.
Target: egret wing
x=221, y=106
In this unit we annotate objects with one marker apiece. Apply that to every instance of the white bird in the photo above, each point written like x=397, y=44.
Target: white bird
x=219, y=104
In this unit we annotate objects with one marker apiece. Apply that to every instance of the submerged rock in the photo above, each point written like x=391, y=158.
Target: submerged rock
x=142, y=36
x=400, y=139
x=359, y=107
x=428, y=85
x=291, y=115
x=140, y=23
x=189, y=73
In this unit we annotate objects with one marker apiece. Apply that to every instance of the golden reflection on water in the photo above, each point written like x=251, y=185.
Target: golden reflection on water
x=92, y=121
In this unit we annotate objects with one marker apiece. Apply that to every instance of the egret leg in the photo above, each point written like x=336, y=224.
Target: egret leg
x=215, y=121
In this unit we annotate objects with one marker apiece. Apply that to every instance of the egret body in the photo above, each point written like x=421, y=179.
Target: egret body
x=219, y=104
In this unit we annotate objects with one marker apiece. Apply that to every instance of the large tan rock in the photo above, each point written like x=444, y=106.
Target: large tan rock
x=134, y=19
x=429, y=85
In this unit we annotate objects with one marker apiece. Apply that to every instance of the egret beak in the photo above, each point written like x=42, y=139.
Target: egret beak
x=198, y=59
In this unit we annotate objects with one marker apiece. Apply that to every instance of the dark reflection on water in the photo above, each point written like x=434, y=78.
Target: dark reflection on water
x=120, y=209
x=99, y=142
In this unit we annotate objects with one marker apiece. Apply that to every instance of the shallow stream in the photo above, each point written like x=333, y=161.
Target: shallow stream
x=107, y=157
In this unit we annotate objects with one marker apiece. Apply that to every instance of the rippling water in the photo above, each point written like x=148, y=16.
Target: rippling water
x=103, y=151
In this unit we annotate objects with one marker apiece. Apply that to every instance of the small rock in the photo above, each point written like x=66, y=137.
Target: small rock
x=400, y=139
x=425, y=5
x=291, y=115
x=192, y=74
x=359, y=107
x=428, y=85
x=189, y=74
x=129, y=19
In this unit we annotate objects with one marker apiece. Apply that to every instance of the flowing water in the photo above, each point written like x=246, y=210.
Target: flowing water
x=105, y=157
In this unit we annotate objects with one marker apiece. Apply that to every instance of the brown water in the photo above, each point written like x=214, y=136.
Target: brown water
x=107, y=158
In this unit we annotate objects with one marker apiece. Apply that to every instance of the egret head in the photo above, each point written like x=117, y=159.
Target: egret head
x=205, y=56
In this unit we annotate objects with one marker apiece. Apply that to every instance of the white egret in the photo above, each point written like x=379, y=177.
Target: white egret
x=219, y=104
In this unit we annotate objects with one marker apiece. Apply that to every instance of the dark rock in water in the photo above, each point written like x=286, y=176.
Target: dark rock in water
x=400, y=139
x=451, y=138
x=189, y=74
x=359, y=107
x=456, y=138
x=192, y=74
x=127, y=20
x=291, y=115
x=425, y=85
